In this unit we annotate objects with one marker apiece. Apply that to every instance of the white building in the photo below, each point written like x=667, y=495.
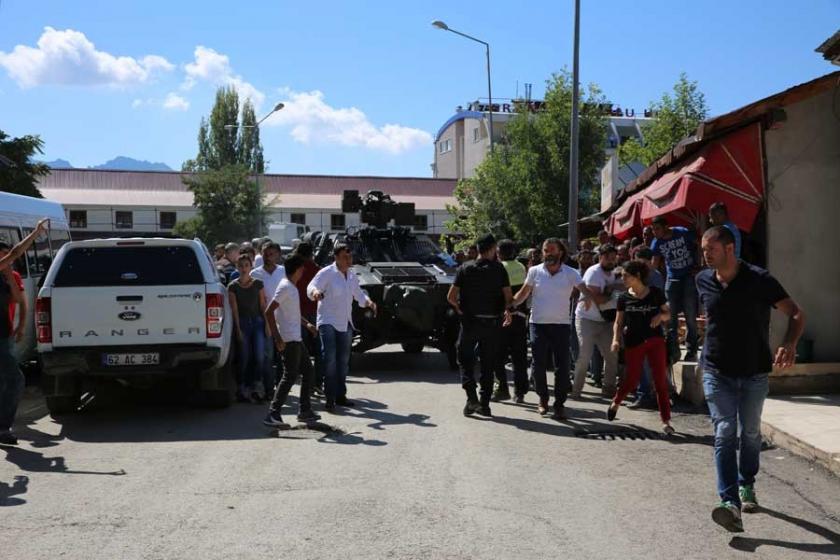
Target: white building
x=102, y=203
x=463, y=141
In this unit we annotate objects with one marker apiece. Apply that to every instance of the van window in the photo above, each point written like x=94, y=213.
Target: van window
x=38, y=255
x=11, y=235
x=129, y=266
x=58, y=237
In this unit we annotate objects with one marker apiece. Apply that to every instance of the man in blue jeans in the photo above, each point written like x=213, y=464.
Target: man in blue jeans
x=334, y=288
x=676, y=246
x=551, y=284
x=736, y=362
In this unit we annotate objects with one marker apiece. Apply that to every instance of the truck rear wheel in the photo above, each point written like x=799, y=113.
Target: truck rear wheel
x=62, y=405
x=412, y=347
x=215, y=386
x=62, y=393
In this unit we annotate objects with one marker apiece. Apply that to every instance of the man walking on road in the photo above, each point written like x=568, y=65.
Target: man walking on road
x=334, y=288
x=594, y=321
x=676, y=246
x=284, y=321
x=514, y=337
x=480, y=295
x=551, y=284
x=736, y=363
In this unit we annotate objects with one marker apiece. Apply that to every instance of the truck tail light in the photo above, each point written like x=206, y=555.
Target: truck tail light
x=215, y=315
x=43, y=319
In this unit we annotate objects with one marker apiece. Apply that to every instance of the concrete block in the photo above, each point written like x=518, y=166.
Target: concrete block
x=688, y=381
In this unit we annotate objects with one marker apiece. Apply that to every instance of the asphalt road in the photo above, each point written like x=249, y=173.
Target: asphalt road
x=404, y=475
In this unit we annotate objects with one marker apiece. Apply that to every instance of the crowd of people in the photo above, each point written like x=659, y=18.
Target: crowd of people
x=607, y=310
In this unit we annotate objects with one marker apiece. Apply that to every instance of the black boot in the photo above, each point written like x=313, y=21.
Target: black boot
x=472, y=405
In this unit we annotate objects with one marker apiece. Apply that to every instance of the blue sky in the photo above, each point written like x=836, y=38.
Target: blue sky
x=367, y=83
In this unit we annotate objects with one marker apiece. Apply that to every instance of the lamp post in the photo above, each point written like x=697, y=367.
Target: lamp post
x=441, y=25
x=276, y=108
x=575, y=133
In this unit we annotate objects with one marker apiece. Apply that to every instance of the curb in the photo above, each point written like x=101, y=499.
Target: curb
x=780, y=438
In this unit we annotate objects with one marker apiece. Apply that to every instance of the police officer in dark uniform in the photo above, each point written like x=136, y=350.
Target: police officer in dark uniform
x=480, y=294
x=514, y=337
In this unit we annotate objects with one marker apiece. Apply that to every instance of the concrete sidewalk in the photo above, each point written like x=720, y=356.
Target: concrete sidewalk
x=808, y=425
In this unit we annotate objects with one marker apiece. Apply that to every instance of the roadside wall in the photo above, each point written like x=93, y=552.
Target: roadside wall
x=803, y=217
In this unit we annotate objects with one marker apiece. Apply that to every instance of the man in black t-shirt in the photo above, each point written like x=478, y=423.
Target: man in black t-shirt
x=736, y=363
x=480, y=294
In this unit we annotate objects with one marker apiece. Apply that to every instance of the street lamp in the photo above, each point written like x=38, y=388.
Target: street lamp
x=276, y=108
x=441, y=25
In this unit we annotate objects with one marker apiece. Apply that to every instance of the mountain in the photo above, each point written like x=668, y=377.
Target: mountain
x=122, y=163
x=59, y=164
x=131, y=164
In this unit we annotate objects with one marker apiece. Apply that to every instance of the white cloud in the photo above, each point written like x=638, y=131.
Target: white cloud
x=313, y=120
x=214, y=67
x=68, y=57
x=175, y=102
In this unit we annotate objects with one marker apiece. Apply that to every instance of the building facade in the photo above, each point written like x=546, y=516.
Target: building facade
x=463, y=141
x=106, y=203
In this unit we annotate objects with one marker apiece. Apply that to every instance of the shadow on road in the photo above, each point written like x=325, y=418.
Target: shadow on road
x=32, y=461
x=365, y=408
x=9, y=491
x=749, y=544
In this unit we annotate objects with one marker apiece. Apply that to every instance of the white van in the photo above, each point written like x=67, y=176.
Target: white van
x=18, y=216
x=285, y=234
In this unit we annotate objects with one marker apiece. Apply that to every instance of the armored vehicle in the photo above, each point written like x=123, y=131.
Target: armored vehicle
x=404, y=272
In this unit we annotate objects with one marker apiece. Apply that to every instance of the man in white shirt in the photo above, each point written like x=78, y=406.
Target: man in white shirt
x=551, y=284
x=594, y=321
x=284, y=321
x=334, y=288
x=270, y=274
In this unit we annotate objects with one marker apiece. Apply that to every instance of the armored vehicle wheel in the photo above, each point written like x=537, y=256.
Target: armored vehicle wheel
x=412, y=347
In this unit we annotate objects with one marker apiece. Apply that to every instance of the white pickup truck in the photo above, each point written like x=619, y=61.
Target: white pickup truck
x=133, y=309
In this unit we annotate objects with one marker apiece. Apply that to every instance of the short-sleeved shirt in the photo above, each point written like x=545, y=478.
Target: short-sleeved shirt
x=738, y=320
x=638, y=314
x=677, y=252
x=736, y=233
x=655, y=279
x=270, y=280
x=287, y=313
x=605, y=280
x=481, y=283
x=247, y=299
x=551, y=294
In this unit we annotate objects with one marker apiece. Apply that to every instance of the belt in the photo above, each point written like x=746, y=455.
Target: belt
x=487, y=317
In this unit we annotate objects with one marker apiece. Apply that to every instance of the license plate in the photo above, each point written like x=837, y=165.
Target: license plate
x=148, y=359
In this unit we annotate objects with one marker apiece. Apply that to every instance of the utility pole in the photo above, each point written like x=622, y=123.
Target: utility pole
x=574, y=151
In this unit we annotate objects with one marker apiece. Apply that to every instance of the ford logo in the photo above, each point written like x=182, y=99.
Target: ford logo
x=129, y=315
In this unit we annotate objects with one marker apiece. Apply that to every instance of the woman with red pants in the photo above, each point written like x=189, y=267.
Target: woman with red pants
x=641, y=313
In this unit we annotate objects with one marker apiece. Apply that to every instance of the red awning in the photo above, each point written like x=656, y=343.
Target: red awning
x=627, y=220
x=727, y=170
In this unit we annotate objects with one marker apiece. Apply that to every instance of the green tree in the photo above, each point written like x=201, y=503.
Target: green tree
x=18, y=172
x=229, y=153
x=521, y=189
x=675, y=117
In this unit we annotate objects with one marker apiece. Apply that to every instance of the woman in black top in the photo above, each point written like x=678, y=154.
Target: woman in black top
x=641, y=313
x=247, y=303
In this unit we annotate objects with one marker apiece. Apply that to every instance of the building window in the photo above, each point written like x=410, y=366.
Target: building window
x=123, y=220
x=78, y=218
x=298, y=219
x=167, y=220
x=446, y=145
x=421, y=222
x=336, y=221
x=476, y=134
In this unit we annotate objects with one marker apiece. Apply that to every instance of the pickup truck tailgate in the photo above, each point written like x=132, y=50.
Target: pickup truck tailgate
x=124, y=315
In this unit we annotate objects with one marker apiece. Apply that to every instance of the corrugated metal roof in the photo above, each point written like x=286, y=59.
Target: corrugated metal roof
x=94, y=187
